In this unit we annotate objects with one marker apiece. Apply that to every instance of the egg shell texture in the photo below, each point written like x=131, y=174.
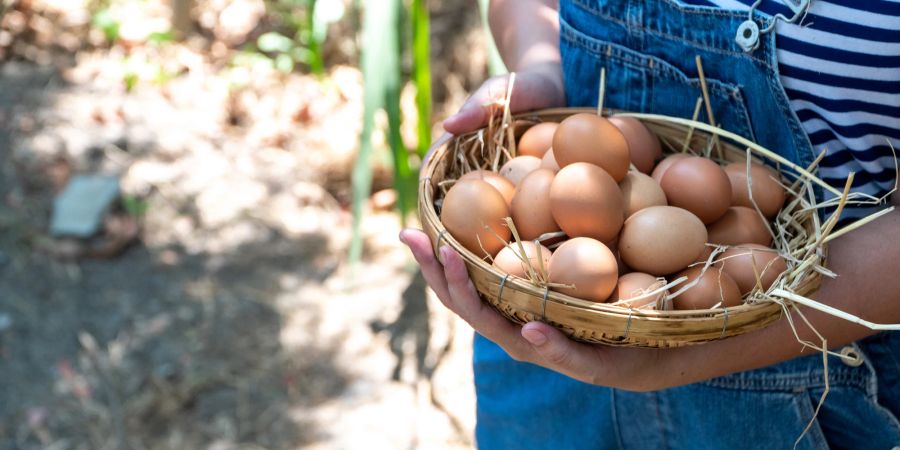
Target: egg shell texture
x=643, y=146
x=592, y=139
x=698, y=185
x=660, y=240
x=474, y=213
x=537, y=140
x=515, y=169
x=588, y=265
x=508, y=260
x=664, y=165
x=586, y=201
x=739, y=225
x=767, y=193
x=549, y=161
x=739, y=262
x=636, y=284
x=714, y=287
x=640, y=191
x=531, y=205
x=501, y=184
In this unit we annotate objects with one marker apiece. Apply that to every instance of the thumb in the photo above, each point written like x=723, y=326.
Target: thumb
x=477, y=109
x=549, y=343
x=580, y=361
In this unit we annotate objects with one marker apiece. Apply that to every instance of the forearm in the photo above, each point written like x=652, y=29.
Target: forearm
x=526, y=32
x=867, y=286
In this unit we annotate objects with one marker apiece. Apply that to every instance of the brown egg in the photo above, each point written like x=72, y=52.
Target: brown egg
x=516, y=169
x=549, y=162
x=586, y=201
x=531, y=205
x=713, y=288
x=698, y=185
x=510, y=261
x=704, y=255
x=739, y=263
x=767, y=193
x=537, y=140
x=643, y=146
x=660, y=240
x=474, y=212
x=501, y=184
x=664, y=165
x=586, y=264
x=613, y=246
x=636, y=284
x=591, y=139
x=639, y=191
x=739, y=225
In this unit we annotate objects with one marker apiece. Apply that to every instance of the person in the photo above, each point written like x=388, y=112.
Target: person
x=825, y=77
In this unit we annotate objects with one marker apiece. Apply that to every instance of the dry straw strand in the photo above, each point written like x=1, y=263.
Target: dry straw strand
x=709, y=110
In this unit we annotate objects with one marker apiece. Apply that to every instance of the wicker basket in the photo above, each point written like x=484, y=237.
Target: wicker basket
x=521, y=301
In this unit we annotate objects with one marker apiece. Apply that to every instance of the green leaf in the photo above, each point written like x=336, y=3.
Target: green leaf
x=105, y=22
x=422, y=73
x=161, y=37
x=381, y=80
x=131, y=80
x=314, y=33
x=134, y=206
x=274, y=42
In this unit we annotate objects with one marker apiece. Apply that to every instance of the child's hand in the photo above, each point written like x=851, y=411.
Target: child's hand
x=538, y=343
x=535, y=88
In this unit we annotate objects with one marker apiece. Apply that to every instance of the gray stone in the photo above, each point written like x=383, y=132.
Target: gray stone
x=78, y=210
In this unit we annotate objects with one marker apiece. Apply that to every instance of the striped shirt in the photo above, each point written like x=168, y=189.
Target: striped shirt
x=840, y=67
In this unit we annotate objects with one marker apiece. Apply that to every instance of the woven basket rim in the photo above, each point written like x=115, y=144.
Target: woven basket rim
x=554, y=296
x=699, y=321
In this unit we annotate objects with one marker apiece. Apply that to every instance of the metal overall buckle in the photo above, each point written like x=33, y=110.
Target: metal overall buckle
x=748, y=31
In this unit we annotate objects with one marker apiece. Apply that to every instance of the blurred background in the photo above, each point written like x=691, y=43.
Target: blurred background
x=199, y=208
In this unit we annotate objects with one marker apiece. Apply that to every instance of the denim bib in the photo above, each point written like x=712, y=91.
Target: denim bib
x=648, y=50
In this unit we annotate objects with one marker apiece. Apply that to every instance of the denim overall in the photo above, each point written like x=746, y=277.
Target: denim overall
x=648, y=49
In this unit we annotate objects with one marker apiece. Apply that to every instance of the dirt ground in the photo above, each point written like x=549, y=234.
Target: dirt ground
x=233, y=320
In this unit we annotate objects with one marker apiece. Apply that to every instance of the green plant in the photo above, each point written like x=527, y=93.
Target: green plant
x=382, y=52
x=104, y=21
x=303, y=31
x=134, y=206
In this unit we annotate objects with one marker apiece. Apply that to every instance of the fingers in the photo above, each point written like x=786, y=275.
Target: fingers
x=420, y=246
x=535, y=342
x=582, y=362
x=539, y=86
x=465, y=302
x=476, y=111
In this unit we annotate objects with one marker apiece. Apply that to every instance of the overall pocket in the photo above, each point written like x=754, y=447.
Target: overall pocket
x=643, y=83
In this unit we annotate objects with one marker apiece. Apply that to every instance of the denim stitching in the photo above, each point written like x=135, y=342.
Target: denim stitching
x=695, y=43
x=629, y=58
x=636, y=60
x=686, y=9
x=783, y=382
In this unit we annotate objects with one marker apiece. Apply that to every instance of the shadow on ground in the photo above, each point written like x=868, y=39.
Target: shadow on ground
x=156, y=348
x=136, y=353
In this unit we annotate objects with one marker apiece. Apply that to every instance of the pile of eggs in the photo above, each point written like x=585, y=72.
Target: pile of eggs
x=621, y=219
